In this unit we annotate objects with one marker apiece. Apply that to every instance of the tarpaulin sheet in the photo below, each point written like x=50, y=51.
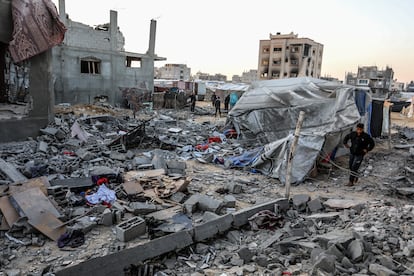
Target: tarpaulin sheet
x=268, y=112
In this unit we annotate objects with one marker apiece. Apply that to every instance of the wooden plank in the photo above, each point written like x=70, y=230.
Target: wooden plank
x=32, y=203
x=11, y=172
x=133, y=175
x=48, y=225
x=132, y=187
x=8, y=211
x=40, y=182
x=4, y=225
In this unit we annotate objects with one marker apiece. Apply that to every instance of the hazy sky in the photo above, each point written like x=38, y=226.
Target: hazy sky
x=223, y=36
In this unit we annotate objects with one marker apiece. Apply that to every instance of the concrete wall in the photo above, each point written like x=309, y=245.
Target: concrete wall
x=41, y=91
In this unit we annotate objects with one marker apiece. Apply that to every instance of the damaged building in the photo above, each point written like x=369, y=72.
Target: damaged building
x=27, y=33
x=92, y=62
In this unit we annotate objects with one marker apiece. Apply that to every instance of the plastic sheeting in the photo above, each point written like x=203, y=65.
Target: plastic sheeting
x=269, y=111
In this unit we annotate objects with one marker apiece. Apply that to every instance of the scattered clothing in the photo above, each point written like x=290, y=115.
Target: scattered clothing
x=73, y=239
x=103, y=194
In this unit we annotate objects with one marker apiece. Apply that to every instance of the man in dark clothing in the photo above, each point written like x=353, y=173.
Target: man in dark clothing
x=361, y=144
x=192, y=102
x=226, y=102
x=217, y=104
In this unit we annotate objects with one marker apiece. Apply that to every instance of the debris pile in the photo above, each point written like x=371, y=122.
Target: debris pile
x=97, y=187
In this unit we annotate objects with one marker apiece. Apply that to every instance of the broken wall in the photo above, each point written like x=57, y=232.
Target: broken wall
x=15, y=129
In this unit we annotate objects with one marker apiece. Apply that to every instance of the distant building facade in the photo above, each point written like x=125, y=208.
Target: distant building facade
x=249, y=76
x=379, y=81
x=208, y=77
x=174, y=72
x=288, y=56
x=236, y=79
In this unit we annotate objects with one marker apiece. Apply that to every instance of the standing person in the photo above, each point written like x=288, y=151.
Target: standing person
x=217, y=104
x=226, y=102
x=192, y=102
x=361, y=144
x=213, y=99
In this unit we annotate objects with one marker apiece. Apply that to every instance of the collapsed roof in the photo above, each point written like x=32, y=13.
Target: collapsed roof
x=268, y=113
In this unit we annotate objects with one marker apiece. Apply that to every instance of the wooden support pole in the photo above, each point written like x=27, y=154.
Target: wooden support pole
x=292, y=152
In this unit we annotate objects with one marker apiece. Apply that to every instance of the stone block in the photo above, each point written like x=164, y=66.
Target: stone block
x=229, y=201
x=300, y=201
x=130, y=229
x=142, y=208
x=178, y=197
x=107, y=218
x=207, y=203
x=208, y=216
x=282, y=204
x=233, y=188
x=315, y=205
x=190, y=205
x=245, y=254
x=84, y=154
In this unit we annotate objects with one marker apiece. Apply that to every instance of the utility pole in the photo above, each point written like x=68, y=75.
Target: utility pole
x=292, y=152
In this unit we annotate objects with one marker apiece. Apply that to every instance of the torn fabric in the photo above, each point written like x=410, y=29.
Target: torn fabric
x=36, y=28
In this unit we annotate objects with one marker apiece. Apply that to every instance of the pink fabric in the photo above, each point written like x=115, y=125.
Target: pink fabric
x=36, y=28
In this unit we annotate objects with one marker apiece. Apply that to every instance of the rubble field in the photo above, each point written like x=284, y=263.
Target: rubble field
x=100, y=191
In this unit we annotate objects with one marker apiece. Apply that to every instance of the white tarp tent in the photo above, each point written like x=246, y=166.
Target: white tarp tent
x=269, y=110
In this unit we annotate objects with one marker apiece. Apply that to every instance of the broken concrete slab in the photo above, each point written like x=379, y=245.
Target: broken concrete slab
x=132, y=187
x=11, y=172
x=114, y=264
x=335, y=237
x=325, y=263
x=356, y=250
x=42, y=147
x=406, y=191
x=343, y=203
x=213, y=227
x=380, y=270
x=330, y=216
x=135, y=175
x=73, y=183
x=207, y=203
x=178, y=197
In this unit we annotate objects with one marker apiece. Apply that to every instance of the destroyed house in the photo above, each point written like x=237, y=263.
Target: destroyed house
x=92, y=62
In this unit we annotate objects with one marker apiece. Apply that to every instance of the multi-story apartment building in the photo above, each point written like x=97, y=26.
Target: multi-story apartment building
x=287, y=56
x=379, y=81
x=174, y=72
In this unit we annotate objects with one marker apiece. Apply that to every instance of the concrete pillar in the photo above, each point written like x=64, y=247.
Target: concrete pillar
x=62, y=11
x=113, y=29
x=151, y=47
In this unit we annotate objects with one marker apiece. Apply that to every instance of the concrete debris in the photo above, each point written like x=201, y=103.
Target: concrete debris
x=180, y=210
